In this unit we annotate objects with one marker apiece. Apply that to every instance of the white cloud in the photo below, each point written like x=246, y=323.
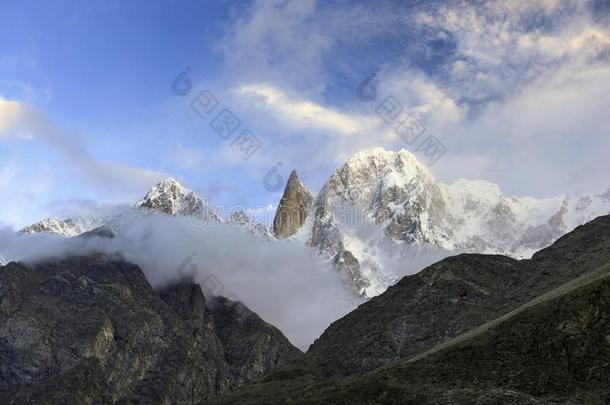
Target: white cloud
x=303, y=113
x=517, y=8
x=519, y=94
x=502, y=47
x=12, y=116
x=423, y=98
x=538, y=74
x=278, y=38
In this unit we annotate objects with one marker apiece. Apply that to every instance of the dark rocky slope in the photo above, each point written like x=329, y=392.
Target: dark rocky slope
x=92, y=330
x=552, y=350
x=251, y=346
x=549, y=347
x=451, y=297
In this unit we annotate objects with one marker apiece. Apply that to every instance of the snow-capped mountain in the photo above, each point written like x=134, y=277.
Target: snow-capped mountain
x=381, y=206
x=66, y=227
x=378, y=217
x=167, y=197
x=240, y=219
x=171, y=198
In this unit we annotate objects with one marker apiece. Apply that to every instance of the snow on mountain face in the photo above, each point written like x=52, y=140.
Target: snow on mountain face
x=382, y=206
x=381, y=216
x=168, y=197
x=171, y=198
x=240, y=219
x=67, y=228
x=376, y=201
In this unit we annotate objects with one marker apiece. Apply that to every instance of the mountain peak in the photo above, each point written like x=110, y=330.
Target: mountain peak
x=170, y=197
x=293, y=207
x=379, y=161
x=170, y=180
x=171, y=183
x=293, y=180
x=382, y=153
x=293, y=175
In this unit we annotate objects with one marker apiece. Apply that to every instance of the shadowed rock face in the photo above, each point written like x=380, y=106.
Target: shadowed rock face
x=292, y=210
x=70, y=329
x=251, y=346
x=101, y=232
x=468, y=329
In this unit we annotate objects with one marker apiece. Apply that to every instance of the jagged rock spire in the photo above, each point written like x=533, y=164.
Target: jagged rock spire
x=293, y=207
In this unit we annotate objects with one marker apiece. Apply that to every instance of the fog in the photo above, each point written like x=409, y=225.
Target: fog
x=288, y=285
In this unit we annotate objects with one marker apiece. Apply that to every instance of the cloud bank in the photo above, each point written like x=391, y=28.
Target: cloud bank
x=286, y=284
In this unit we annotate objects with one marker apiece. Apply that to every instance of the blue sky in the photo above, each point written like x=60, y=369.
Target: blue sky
x=516, y=91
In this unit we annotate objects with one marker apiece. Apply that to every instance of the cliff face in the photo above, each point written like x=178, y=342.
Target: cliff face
x=71, y=329
x=292, y=209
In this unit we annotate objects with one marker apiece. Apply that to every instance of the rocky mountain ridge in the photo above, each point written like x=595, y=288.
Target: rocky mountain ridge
x=68, y=228
x=92, y=330
x=242, y=220
x=167, y=197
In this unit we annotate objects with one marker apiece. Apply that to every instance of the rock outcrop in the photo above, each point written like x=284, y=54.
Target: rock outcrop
x=292, y=209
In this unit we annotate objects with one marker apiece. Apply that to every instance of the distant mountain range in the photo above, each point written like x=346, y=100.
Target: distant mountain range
x=381, y=206
x=69, y=227
x=378, y=209
x=167, y=197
